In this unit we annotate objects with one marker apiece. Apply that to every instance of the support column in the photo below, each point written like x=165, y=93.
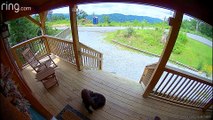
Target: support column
x=43, y=16
x=175, y=24
x=76, y=44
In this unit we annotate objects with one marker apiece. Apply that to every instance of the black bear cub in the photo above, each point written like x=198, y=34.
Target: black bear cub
x=90, y=98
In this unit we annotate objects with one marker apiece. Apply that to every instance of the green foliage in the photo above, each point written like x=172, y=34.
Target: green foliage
x=55, y=17
x=180, y=43
x=22, y=29
x=203, y=29
x=51, y=31
x=81, y=14
x=188, y=51
x=206, y=29
x=129, y=32
x=145, y=39
x=106, y=19
x=200, y=66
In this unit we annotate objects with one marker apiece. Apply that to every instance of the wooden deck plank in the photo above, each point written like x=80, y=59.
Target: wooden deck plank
x=124, y=98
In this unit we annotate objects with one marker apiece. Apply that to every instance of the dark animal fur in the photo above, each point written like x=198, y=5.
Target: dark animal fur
x=90, y=98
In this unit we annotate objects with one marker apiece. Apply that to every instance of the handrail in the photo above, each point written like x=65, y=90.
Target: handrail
x=89, y=48
x=180, y=87
x=62, y=48
x=58, y=39
x=188, y=75
x=36, y=43
x=183, y=88
x=26, y=42
x=147, y=74
x=91, y=58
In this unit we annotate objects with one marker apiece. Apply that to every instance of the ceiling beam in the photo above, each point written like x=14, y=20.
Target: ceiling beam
x=33, y=20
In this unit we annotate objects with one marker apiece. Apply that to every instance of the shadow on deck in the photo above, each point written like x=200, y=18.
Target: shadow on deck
x=124, y=97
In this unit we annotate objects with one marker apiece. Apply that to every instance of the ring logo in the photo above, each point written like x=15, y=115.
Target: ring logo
x=14, y=6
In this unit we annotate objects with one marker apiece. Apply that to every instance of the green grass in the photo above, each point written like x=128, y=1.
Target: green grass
x=188, y=51
x=196, y=55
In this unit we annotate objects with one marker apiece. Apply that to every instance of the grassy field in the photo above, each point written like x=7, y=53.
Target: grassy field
x=186, y=50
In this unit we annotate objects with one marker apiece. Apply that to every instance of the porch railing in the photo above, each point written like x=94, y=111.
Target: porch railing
x=147, y=74
x=180, y=87
x=43, y=45
x=62, y=48
x=37, y=45
x=91, y=59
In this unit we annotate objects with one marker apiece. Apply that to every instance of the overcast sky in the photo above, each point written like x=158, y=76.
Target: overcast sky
x=123, y=8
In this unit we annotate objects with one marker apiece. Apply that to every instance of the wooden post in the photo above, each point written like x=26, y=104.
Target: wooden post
x=33, y=20
x=101, y=64
x=19, y=63
x=76, y=45
x=173, y=33
x=46, y=44
x=43, y=16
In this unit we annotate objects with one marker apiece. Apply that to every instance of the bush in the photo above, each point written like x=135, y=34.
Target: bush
x=129, y=32
x=200, y=66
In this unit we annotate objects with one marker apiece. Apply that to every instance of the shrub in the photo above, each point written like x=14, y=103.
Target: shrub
x=200, y=66
x=129, y=32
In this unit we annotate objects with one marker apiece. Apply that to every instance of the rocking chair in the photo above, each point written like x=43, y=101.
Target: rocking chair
x=35, y=63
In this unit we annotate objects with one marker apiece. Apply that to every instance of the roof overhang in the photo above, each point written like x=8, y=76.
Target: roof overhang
x=198, y=9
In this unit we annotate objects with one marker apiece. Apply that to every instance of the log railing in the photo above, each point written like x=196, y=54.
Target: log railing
x=37, y=45
x=181, y=87
x=43, y=45
x=61, y=48
x=91, y=59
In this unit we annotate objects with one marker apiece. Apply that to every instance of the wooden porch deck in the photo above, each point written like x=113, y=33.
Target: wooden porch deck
x=124, y=97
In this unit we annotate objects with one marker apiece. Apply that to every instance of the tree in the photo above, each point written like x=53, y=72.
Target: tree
x=106, y=19
x=81, y=14
x=206, y=29
x=21, y=29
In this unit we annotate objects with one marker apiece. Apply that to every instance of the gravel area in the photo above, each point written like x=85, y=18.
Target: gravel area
x=119, y=61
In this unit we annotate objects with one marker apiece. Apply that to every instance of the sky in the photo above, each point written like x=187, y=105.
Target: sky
x=123, y=8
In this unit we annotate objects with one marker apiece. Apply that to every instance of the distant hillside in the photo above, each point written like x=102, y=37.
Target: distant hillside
x=115, y=17
x=123, y=18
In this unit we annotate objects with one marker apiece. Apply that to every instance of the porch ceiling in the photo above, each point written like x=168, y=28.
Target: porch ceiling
x=198, y=9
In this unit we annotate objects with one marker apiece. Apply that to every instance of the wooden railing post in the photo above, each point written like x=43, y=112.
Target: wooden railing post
x=76, y=45
x=101, y=63
x=46, y=44
x=175, y=23
x=19, y=63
